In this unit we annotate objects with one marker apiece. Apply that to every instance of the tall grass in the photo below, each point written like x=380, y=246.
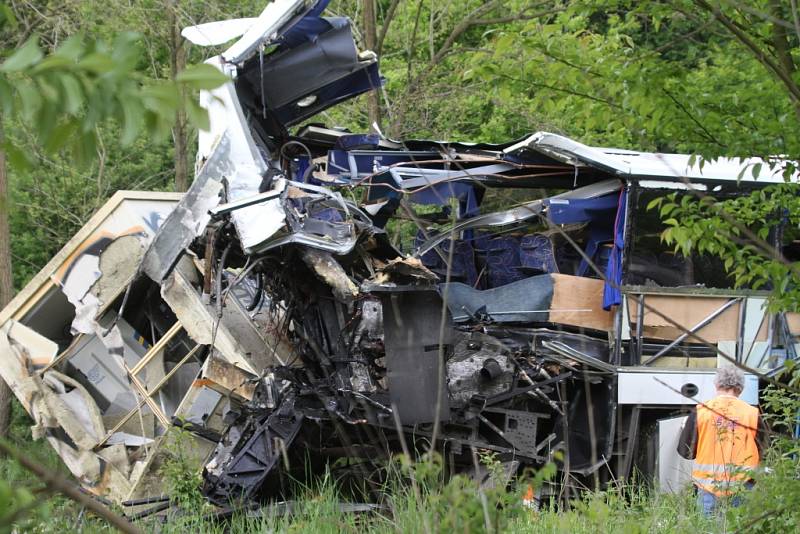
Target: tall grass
x=54, y=514
x=416, y=499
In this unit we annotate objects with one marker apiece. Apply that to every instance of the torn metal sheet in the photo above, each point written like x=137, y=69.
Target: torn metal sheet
x=129, y=440
x=267, y=25
x=334, y=232
x=191, y=215
x=409, y=178
x=40, y=359
x=228, y=379
x=39, y=350
x=69, y=420
x=217, y=32
x=676, y=167
x=229, y=207
x=518, y=214
x=331, y=272
x=232, y=333
x=244, y=167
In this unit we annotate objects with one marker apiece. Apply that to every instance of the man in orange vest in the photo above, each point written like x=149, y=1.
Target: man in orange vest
x=724, y=437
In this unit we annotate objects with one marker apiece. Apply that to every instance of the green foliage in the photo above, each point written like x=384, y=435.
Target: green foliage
x=64, y=96
x=61, y=99
x=15, y=503
x=626, y=509
x=415, y=499
x=650, y=75
x=52, y=200
x=181, y=471
x=738, y=231
x=773, y=506
x=50, y=513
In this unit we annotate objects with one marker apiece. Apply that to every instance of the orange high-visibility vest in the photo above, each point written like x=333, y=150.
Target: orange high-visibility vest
x=726, y=444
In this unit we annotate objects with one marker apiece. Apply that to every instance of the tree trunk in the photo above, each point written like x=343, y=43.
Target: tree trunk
x=180, y=133
x=6, y=280
x=371, y=42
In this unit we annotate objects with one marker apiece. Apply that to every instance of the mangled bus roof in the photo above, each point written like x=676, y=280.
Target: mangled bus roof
x=642, y=165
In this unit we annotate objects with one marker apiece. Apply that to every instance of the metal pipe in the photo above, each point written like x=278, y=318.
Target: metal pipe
x=639, y=328
x=259, y=292
x=146, y=500
x=491, y=370
x=770, y=340
x=740, y=336
x=150, y=511
x=616, y=356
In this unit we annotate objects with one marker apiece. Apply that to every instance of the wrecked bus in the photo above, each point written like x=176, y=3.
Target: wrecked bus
x=319, y=294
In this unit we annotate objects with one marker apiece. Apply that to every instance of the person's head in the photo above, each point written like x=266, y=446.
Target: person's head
x=729, y=380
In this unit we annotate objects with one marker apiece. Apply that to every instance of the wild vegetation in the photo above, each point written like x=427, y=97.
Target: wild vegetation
x=81, y=119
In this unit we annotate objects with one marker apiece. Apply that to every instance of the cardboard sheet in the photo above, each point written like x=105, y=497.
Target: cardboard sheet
x=578, y=301
x=793, y=320
x=688, y=311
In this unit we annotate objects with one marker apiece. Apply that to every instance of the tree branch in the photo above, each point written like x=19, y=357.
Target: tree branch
x=56, y=482
x=761, y=14
x=387, y=20
x=795, y=18
x=708, y=135
x=565, y=90
x=780, y=42
x=758, y=53
x=473, y=20
x=460, y=28
x=413, y=41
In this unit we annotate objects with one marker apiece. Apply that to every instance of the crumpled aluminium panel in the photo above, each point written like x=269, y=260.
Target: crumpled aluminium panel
x=191, y=215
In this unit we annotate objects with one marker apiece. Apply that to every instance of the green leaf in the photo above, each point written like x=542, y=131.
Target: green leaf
x=29, y=54
x=202, y=76
x=667, y=208
x=505, y=43
x=71, y=49
x=788, y=172
x=741, y=174
x=162, y=99
x=61, y=135
x=30, y=98
x=7, y=17
x=6, y=97
x=73, y=93
x=126, y=51
x=728, y=263
x=45, y=121
x=654, y=203
x=47, y=89
x=97, y=62
x=52, y=62
x=83, y=148
x=132, y=119
x=756, y=170
x=17, y=159
x=198, y=115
